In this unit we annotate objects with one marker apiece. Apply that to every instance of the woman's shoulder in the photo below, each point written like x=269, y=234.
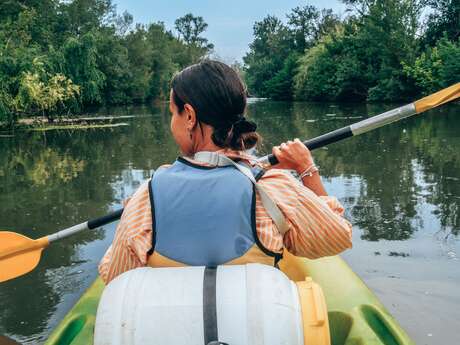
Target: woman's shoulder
x=279, y=175
x=281, y=185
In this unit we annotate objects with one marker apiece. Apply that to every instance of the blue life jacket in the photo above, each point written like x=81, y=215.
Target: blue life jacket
x=204, y=216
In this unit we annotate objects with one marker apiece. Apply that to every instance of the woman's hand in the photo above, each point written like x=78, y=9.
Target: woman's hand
x=293, y=155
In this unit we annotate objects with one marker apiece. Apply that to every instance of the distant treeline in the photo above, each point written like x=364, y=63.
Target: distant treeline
x=59, y=57
x=381, y=50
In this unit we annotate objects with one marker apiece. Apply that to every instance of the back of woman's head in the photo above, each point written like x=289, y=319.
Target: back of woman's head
x=218, y=96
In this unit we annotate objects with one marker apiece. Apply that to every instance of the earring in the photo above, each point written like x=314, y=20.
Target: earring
x=190, y=133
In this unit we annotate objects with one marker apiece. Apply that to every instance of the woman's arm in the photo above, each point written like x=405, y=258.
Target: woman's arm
x=317, y=227
x=133, y=238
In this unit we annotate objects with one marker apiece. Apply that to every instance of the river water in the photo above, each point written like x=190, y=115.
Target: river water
x=400, y=186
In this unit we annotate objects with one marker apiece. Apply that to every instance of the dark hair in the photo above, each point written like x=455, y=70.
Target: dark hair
x=218, y=96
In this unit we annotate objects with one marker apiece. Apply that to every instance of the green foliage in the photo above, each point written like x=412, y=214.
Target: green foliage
x=272, y=60
x=437, y=67
x=139, y=52
x=444, y=20
x=112, y=61
x=389, y=32
x=280, y=87
x=190, y=28
x=81, y=66
x=167, y=56
x=449, y=53
x=271, y=46
x=44, y=93
x=374, y=54
x=6, y=104
x=83, y=16
x=302, y=22
x=362, y=59
x=315, y=78
x=58, y=56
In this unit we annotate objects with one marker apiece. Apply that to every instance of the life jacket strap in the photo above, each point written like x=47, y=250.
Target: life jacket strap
x=220, y=160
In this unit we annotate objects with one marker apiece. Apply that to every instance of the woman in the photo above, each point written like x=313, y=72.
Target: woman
x=207, y=208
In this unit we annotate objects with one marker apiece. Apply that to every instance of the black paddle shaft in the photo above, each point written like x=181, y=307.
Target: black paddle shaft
x=322, y=140
x=108, y=218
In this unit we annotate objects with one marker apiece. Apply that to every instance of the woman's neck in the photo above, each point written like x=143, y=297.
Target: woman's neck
x=203, y=139
x=207, y=147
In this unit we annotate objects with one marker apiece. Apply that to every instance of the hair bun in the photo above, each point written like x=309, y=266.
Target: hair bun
x=242, y=125
x=238, y=139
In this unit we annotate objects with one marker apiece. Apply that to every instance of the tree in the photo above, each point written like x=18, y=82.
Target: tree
x=362, y=58
x=190, y=29
x=168, y=56
x=139, y=51
x=315, y=78
x=81, y=57
x=112, y=60
x=123, y=23
x=303, y=23
x=436, y=68
x=83, y=16
x=272, y=62
x=272, y=44
x=327, y=23
x=444, y=21
x=280, y=87
x=387, y=35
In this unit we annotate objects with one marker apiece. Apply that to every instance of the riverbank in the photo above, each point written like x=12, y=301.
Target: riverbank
x=83, y=122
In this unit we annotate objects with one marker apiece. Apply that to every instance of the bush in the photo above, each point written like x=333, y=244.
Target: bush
x=315, y=78
x=280, y=87
x=80, y=56
x=40, y=92
x=436, y=68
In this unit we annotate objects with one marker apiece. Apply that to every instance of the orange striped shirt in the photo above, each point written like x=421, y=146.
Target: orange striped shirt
x=316, y=225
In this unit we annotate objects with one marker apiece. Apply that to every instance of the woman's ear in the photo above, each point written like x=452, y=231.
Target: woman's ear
x=191, y=116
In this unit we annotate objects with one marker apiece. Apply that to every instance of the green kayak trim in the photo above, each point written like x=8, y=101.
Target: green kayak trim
x=356, y=316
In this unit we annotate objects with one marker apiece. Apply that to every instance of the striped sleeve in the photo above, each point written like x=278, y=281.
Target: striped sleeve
x=317, y=227
x=133, y=238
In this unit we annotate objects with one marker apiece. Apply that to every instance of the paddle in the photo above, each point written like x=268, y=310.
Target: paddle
x=420, y=106
x=20, y=254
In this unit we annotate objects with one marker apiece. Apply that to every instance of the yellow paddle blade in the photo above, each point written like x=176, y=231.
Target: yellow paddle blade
x=19, y=254
x=438, y=98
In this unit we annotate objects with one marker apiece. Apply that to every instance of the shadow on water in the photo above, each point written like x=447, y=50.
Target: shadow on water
x=54, y=179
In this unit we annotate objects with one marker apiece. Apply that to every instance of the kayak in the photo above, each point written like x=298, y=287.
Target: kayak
x=355, y=314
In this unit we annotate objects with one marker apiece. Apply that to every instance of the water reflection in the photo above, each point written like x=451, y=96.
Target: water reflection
x=393, y=181
x=51, y=180
x=400, y=166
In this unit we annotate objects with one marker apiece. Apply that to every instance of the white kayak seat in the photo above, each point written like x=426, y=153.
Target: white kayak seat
x=249, y=304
